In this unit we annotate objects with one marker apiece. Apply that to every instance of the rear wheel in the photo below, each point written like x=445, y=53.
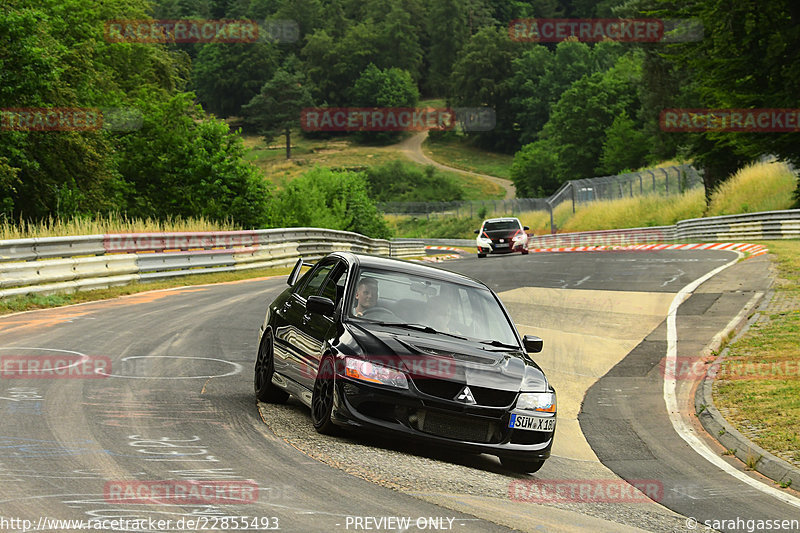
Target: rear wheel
x=322, y=398
x=521, y=466
x=266, y=391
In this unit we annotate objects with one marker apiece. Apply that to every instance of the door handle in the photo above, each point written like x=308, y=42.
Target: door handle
x=306, y=318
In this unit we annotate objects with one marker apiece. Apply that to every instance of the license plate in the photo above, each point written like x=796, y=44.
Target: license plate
x=531, y=423
x=501, y=245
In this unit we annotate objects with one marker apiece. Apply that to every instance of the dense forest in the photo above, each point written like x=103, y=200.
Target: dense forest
x=567, y=110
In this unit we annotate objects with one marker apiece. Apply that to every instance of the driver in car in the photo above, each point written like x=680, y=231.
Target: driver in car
x=366, y=295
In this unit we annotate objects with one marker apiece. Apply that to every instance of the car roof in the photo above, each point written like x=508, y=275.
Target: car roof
x=398, y=265
x=502, y=219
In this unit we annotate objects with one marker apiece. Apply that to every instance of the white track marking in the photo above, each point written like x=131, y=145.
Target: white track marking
x=237, y=368
x=671, y=400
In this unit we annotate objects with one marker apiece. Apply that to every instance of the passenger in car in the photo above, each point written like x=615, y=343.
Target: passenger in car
x=441, y=311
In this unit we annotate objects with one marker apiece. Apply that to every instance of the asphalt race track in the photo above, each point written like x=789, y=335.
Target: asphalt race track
x=178, y=404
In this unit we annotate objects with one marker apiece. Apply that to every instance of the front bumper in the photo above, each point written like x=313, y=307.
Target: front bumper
x=484, y=247
x=437, y=421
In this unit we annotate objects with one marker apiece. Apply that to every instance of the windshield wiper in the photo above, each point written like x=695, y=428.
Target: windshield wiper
x=500, y=344
x=418, y=327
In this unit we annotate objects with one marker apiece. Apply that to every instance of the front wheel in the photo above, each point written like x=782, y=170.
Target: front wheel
x=521, y=466
x=266, y=391
x=322, y=398
x=524, y=251
x=481, y=256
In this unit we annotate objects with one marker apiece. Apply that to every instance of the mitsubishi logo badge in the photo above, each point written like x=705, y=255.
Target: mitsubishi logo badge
x=465, y=396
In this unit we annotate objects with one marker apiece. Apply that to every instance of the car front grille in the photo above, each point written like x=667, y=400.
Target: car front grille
x=455, y=427
x=448, y=390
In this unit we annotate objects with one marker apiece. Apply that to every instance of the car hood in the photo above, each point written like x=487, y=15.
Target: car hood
x=501, y=233
x=436, y=356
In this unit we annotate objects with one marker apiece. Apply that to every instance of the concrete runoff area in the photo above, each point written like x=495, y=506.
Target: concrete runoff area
x=586, y=333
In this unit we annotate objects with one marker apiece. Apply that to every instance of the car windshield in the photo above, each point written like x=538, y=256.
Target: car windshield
x=406, y=299
x=501, y=225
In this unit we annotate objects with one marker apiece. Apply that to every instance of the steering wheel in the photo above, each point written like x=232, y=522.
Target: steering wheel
x=379, y=312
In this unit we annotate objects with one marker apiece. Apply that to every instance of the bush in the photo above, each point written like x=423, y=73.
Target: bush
x=323, y=198
x=397, y=181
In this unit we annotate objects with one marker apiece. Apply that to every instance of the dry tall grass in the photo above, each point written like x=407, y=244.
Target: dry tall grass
x=757, y=187
x=56, y=227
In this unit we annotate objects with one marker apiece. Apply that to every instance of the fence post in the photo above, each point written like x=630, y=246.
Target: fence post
x=572, y=190
x=552, y=222
x=666, y=180
x=641, y=187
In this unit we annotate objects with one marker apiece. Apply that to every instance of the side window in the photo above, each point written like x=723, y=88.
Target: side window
x=315, y=281
x=334, y=286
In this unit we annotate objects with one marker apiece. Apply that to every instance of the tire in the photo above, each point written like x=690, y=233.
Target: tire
x=322, y=398
x=265, y=390
x=524, y=251
x=521, y=466
x=481, y=256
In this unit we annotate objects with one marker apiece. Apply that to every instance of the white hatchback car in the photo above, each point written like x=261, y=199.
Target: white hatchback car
x=502, y=235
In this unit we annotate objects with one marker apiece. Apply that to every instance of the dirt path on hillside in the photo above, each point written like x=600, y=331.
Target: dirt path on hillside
x=412, y=148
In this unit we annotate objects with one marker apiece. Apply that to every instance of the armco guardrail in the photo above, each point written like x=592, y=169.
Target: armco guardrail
x=764, y=225
x=751, y=226
x=607, y=237
x=56, y=264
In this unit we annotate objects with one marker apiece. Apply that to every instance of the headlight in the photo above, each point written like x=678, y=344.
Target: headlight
x=537, y=401
x=520, y=237
x=485, y=242
x=365, y=371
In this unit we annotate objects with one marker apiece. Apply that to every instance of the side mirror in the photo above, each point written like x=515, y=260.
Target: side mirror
x=477, y=231
x=320, y=305
x=525, y=228
x=532, y=343
x=295, y=273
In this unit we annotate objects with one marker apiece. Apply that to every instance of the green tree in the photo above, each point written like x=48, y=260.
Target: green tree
x=448, y=31
x=277, y=107
x=482, y=77
x=748, y=58
x=323, y=198
x=571, y=142
x=222, y=82
x=399, y=43
x=334, y=65
x=541, y=76
x=534, y=169
x=624, y=147
x=390, y=87
x=182, y=163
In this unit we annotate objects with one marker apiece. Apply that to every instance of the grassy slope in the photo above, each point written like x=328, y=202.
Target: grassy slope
x=458, y=154
x=341, y=152
x=759, y=382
